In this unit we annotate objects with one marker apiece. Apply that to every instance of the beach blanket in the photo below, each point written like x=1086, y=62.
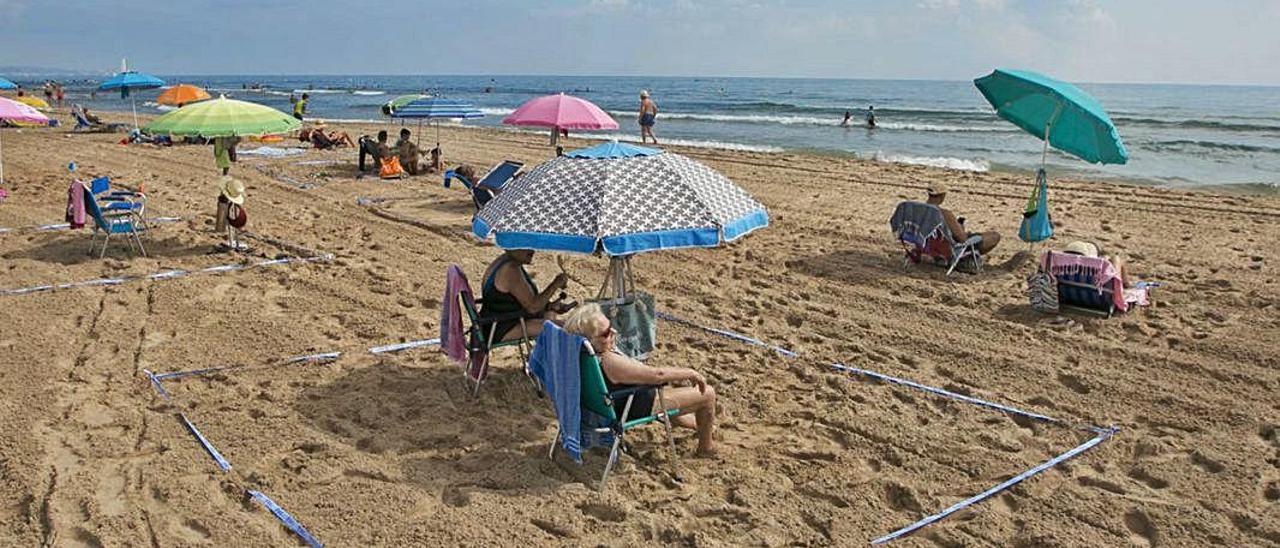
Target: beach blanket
x=452, y=339
x=75, y=204
x=271, y=152
x=918, y=223
x=554, y=362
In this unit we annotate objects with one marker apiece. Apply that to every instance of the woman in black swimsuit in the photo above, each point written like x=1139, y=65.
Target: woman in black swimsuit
x=696, y=401
x=508, y=288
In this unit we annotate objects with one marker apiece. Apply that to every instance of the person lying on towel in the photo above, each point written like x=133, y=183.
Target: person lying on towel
x=696, y=400
x=937, y=192
x=1093, y=249
x=324, y=141
x=509, y=288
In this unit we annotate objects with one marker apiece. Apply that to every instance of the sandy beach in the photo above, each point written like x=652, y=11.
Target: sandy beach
x=390, y=449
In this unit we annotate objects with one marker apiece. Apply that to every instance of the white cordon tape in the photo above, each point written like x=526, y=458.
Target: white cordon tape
x=66, y=226
x=165, y=275
x=1102, y=434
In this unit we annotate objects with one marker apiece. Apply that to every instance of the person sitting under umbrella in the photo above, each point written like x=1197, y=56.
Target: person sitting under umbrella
x=620, y=371
x=377, y=150
x=410, y=156
x=509, y=288
x=937, y=193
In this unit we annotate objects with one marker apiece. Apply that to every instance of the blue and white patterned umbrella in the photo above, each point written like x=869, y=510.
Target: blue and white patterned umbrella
x=435, y=108
x=619, y=199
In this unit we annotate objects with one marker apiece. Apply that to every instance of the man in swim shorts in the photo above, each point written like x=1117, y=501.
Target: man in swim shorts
x=937, y=193
x=648, y=113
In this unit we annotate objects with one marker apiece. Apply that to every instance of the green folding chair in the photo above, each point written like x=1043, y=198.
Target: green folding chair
x=597, y=398
x=480, y=342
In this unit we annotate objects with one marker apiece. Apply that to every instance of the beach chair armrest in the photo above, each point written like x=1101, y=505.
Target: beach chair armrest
x=974, y=239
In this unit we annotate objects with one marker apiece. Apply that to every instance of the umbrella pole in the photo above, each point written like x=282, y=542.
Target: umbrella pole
x=1, y=160
x=134, y=102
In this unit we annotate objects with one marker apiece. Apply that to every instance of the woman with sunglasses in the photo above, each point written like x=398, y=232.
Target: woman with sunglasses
x=696, y=400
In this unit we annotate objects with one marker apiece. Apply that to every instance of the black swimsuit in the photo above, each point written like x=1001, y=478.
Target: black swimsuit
x=641, y=405
x=496, y=302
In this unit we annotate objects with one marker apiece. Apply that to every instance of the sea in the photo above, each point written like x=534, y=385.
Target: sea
x=1198, y=136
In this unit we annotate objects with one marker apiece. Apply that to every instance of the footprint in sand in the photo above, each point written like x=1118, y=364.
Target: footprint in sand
x=1139, y=524
x=1074, y=383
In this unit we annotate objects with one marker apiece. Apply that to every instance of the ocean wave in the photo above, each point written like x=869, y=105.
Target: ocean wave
x=946, y=162
x=491, y=111
x=1182, y=144
x=816, y=121
x=1198, y=124
x=368, y=92
x=320, y=91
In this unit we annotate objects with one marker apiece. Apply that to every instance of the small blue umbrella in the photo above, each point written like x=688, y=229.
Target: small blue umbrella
x=5, y=84
x=128, y=80
x=435, y=108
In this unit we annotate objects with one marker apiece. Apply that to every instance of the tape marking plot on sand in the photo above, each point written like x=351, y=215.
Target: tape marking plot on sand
x=66, y=226
x=164, y=275
x=1102, y=434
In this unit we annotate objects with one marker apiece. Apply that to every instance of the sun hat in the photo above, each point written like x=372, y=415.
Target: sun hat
x=936, y=189
x=320, y=123
x=1087, y=249
x=644, y=93
x=232, y=190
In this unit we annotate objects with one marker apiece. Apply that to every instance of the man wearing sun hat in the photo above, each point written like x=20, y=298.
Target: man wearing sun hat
x=231, y=215
x=937, y=192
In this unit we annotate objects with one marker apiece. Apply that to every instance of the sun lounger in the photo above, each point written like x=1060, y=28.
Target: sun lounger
x=1090, y=284
x=83, y=124
x=595, y=400
x=923, y=232
x=489, y=185
x=108, y=222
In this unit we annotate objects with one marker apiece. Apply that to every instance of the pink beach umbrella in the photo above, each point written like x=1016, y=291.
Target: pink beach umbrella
x=559, y=112
x=14, y=111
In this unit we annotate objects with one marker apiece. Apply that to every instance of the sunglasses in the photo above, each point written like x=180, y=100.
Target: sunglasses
x=607, y=333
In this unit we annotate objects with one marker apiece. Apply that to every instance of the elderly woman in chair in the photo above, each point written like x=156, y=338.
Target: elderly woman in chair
x=508, y=288
x=696, y=401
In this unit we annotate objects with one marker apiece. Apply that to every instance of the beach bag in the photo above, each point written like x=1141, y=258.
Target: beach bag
x=236, y=216
x=1042, y=289
x=1036, y=225
x=391, y=168
x=635, y=322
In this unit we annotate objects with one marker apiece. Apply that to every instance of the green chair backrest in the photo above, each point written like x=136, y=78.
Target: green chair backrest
x=472, y=314
x=595, y=393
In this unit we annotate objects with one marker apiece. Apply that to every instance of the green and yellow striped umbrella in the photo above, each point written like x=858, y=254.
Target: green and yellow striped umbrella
x=223, y=117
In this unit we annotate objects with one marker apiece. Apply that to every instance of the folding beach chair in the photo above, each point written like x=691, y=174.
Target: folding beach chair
x=598, y=400
x=489, y=185
x=123, y=221
x=83, y=124
x=923, y=232
x=1090, y=284
x=480, y=335
x=115, y=200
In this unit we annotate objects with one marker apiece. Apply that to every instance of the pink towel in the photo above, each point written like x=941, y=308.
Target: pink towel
x=452, y=338
x=1104, y=274
x=75, y=204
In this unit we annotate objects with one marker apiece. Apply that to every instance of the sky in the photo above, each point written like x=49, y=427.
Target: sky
x=1179, y=41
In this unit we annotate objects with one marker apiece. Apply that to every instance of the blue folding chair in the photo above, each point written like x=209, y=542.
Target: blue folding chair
x=489, y=185
x=108, y=222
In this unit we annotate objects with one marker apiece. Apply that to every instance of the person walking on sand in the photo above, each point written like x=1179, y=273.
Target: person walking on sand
x=300, y=107
x=648, y=113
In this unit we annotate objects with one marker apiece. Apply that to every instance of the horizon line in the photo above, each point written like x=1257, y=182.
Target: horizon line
x=58, y=71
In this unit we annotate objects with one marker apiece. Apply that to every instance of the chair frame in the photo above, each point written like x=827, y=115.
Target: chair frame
x=616, y=427
x=479, y=186
x=479, y=340
x=960, y=251
x=106, y=221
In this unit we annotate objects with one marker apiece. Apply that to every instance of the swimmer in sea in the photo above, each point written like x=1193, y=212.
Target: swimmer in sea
x=848, y=115
x=871, y=117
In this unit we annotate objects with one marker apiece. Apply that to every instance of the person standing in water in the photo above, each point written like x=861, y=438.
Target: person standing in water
x=871, y=117
x=848, y=115
x=648, y=113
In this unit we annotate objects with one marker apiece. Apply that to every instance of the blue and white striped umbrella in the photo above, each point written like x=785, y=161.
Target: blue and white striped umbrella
x=621, y=200
x=435, y=108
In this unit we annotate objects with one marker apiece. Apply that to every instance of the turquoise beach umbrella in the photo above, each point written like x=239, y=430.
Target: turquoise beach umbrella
x=1064, y=116
x=5, y=84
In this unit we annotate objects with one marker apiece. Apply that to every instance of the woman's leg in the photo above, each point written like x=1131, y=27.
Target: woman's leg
x=702, y=406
